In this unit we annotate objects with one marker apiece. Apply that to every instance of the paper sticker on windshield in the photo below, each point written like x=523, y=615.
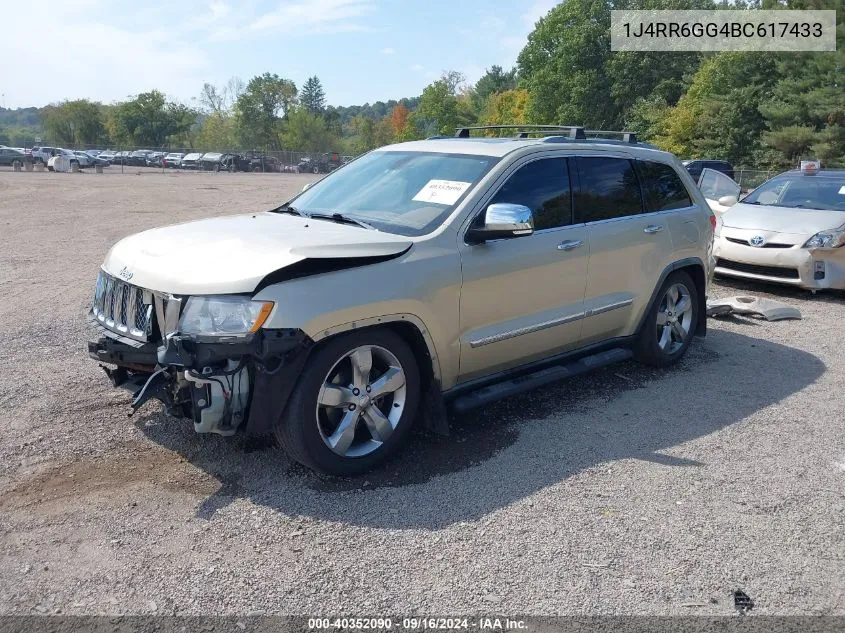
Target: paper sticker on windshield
x=842, y=191
x=442, y=191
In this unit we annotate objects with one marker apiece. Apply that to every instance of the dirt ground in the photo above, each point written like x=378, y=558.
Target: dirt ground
x=631, y=490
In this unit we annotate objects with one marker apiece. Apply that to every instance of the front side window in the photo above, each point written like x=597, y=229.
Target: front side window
x=609, y=189
x=409, y=193
x=543, y=187
x=663, y=190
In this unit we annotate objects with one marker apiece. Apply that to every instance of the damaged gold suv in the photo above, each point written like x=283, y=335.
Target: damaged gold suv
x=448, y=272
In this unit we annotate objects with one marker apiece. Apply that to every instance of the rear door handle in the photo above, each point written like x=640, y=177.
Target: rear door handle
x=653, y=228
x=568, y=245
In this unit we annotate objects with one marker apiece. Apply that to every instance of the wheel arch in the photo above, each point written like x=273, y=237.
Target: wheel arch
x=410, y=327
x=694, y=267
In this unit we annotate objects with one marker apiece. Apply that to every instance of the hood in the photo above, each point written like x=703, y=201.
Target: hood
x=233, y=254
x=782, y=220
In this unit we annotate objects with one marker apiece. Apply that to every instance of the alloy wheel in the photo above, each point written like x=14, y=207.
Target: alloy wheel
x=674, y=318
x=361, y=401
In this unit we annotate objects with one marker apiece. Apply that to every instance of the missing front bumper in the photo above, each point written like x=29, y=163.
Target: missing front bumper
x=219, y=384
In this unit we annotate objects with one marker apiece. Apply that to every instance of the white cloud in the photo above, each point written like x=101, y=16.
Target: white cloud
x=417, y=68
x=169, y=46
x=323, y=16
x=388, y=51
x=64, y=68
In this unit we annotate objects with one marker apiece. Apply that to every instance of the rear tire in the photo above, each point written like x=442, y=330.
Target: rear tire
x=671, y=322
x=331, y=425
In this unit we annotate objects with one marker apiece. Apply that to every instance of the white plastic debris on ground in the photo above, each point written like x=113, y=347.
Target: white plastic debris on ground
x=769, y=309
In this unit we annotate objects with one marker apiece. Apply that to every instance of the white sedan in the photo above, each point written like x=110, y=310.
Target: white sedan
x=790, y=230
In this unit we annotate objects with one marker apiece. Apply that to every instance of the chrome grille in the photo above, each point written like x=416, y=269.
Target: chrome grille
x=123, y=308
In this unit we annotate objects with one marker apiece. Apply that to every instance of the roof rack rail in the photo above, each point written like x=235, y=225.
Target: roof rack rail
x=524, y=130
x=627, y=137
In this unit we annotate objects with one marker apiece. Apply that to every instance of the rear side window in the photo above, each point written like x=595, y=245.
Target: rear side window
x=663, y=190
x=609, y=189
x=543, y=187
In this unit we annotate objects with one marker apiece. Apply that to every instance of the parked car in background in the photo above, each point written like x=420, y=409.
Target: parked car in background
x=331, y=319
x=191, y=161
x=234, y=162
x=42, y=154
x=259, y=162
x=138, y=158
x=695, y=167
x=107, y=155
x=10, y=156
x=321, y=164
x=86, y=159
x=122, y=157
x=154, y=159
x=789, y=230
x=720, y=191
x=172, y=160
x=65, y=154
x=210, y=161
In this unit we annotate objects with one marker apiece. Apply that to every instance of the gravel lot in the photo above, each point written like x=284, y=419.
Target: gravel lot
x=632, y=490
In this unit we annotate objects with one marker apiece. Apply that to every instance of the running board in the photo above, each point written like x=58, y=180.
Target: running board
x=555, y=373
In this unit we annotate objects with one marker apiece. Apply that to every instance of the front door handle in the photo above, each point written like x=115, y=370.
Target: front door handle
x=653, y=228
x=568, y=245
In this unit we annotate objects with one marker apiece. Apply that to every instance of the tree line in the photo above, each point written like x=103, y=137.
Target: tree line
x=758, y=109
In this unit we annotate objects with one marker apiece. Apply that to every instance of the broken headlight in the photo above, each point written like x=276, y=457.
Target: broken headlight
x=224, y=315
x=826, y=239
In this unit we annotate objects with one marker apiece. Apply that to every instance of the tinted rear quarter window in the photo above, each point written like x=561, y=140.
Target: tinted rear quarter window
x=542, y=186
x=609, y=189
x=663, y=190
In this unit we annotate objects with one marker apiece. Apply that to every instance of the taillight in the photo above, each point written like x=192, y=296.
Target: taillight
x=712, y=221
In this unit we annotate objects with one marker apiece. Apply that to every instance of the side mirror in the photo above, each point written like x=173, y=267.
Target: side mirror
x=727, y=201
x=307, y=184
x=503, y=220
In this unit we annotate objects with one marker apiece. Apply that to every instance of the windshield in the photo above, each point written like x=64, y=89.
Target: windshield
x=798, y=191
x=409, y=193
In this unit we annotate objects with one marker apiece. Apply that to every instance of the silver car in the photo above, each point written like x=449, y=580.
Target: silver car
x=445, y=272
x=790, y=230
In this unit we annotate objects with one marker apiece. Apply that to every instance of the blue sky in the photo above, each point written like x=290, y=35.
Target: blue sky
x=362, y=50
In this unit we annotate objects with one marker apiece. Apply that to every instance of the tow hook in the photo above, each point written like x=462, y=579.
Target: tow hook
x=153, y=388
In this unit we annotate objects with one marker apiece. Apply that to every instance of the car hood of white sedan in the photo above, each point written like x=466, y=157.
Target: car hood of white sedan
x=781, y=219
x=233, y=254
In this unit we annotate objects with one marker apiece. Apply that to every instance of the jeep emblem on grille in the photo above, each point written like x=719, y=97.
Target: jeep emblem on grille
x=757, y=240
x=126, y=273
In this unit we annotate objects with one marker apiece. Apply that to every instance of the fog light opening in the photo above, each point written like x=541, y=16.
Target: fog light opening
x=818, y=270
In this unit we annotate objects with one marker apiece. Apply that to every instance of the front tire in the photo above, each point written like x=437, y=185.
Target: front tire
x=670, y=323
x=353, y=405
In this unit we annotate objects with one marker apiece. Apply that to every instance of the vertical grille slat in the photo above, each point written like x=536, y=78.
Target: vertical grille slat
x=122, y=308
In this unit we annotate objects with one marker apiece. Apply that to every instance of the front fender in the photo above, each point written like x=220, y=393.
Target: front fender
x=421, y=287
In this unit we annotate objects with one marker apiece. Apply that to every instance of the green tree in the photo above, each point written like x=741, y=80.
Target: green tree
x=719, y=115
x=494, y=81
x=260, y=108
x=217, y=131
x=74, y=123
x=506, y=108
x=313, y=97
x=149, y=119
x=438, y=109
x=563, y=66
x=306, y=131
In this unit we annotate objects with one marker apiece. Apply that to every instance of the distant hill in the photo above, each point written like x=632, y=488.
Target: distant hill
x=20, y=117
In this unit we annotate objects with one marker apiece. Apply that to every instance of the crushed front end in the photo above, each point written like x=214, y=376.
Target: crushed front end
x=205, y=358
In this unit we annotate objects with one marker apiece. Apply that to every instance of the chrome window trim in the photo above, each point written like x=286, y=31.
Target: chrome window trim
x=641, y=215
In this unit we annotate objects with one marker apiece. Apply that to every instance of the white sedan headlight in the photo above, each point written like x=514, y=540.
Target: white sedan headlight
x=224, y=315
x=826, y=239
